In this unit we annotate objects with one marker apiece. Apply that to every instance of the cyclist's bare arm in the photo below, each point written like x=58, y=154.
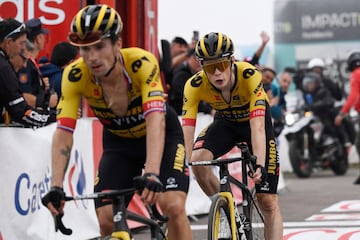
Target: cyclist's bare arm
x=189, y=132
x=155, y=141
x=258, y=142
x=60, y=154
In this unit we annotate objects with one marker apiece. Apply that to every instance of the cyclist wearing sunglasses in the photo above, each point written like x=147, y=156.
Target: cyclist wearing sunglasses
x=12, y=43
x=235, y=91
x=124, y=90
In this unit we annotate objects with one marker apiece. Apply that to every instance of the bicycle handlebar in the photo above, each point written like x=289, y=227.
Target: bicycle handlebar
x=111, y=195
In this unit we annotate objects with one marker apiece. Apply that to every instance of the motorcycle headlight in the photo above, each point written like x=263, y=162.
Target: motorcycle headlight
x=291, y=118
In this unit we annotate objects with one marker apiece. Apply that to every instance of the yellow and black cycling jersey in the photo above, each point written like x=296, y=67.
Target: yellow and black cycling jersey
x=248, y=98
x=145, y=94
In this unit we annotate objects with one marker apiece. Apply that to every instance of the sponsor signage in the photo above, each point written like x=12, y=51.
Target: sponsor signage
x=311, y=21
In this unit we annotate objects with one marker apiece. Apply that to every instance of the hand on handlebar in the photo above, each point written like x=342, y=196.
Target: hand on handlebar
x=260, y=175
x=151, y=187
x=54, y=200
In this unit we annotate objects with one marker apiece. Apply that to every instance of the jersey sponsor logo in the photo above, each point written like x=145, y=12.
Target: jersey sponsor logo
x=136, y=65
x=157, y=104
x=154, y=72
x=75, y=75
x=196, y=81
x=260, y=102
x=273, y=158
x=155, y=93
x=248, y=73
x=258, y=88
x=257, y=113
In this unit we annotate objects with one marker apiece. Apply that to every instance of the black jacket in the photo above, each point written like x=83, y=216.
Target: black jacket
x=12, y=100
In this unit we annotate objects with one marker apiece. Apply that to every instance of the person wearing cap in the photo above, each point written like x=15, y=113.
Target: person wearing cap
x=62, y=54
x=12, y=43
x=142, y=137
x=235, y=90
x=34, y=86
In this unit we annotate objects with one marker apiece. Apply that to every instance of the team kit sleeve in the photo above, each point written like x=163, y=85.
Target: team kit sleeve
x=258, y=97
x=152, y=90
x=191, y=100
x=69, y=103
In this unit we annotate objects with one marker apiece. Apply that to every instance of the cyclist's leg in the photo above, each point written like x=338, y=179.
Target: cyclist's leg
x=174, y=174
x=213, y=142
x=269, y=206
x=118, y=165
x=267, y=193
x=172, y=203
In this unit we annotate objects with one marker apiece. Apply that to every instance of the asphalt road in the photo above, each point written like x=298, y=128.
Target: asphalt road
x=324, y=206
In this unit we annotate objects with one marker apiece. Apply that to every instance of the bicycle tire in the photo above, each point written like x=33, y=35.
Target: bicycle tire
x=256, y=232
x=214, y=217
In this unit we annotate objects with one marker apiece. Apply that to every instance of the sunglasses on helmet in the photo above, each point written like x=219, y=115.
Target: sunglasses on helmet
x=220, y=65
x=19, y=29
x=88, y=38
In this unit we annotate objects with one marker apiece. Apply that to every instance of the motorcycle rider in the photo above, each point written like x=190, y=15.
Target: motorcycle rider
x=321, y=102
x=353, y=63
x=317, y=65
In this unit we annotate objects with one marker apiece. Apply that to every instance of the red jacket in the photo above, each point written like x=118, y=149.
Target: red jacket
x=353, y=99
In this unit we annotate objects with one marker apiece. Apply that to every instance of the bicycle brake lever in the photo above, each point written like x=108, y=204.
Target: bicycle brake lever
x=154, y=211
x=59, y=225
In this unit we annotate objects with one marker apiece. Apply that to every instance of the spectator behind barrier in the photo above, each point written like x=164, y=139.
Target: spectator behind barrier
x=62, y=54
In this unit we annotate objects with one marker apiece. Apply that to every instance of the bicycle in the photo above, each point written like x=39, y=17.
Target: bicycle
x=245, y=223
x=156, y=221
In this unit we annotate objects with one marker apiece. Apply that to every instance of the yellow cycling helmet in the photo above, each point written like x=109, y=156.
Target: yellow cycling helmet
x=214, y=45
x=93, y=23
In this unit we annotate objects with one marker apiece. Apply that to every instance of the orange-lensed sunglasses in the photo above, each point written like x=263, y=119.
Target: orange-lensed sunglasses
x=221, y=66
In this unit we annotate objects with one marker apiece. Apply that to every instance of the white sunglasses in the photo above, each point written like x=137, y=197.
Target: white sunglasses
x=19, y=29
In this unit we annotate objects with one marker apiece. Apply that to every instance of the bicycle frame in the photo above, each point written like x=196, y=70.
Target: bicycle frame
x=240, y=223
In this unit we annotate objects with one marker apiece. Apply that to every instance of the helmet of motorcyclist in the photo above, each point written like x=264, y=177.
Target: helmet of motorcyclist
x=316, y=62
x=94, y=23
x=311, y=82
x=353, y=61
x=214, y=45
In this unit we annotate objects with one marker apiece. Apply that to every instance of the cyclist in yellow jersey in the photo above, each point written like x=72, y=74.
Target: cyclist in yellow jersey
x=235, y=91
x=140, y=133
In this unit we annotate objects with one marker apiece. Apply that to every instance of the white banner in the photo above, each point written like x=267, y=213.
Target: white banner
x=26, y=176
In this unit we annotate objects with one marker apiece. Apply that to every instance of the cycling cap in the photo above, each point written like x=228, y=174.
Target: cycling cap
x=316, y=62
x=93, y=23
x=214, y=45
x=353, y=61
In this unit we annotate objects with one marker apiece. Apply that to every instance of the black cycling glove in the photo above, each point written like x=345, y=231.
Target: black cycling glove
x=152, y=182
x=55, y=196
x=263, y=173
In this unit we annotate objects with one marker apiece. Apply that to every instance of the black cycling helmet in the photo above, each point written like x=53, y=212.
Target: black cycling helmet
x=93, y=23
x=214, y=45
x=353, y=61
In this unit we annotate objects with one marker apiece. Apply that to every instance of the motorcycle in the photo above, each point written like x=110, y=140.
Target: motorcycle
x=310, y=147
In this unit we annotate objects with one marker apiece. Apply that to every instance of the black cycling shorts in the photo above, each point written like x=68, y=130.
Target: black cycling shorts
x=222, y=135
x=124, y=158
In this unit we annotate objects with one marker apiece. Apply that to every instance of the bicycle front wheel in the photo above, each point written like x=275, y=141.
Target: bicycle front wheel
x=219, y=223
